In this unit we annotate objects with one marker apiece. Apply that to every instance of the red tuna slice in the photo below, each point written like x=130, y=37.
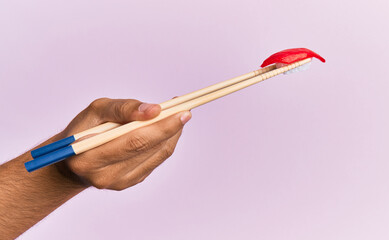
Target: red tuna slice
x=290, y=56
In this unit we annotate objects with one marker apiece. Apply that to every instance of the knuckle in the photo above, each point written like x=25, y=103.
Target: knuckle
x=118, y=187
x=127, y=109
x=124, y=110
x=128, y=105
x=100, y=182
x=139, y=180
x=146, y=169
x=136, y=180
x=167, y=152
x=80, y=168
x=138, y=143
x=97, y=104
x=129, y=182
x=118, y=111
x=168, y=129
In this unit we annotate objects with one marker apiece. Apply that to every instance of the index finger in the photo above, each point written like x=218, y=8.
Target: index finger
x=142, y=139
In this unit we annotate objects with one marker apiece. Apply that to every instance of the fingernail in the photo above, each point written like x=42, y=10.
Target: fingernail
x=185, y=117
x=145, y=106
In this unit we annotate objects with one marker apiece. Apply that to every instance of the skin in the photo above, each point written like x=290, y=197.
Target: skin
x=26, y=198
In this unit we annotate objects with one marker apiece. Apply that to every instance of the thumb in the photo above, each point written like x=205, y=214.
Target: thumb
x=127, y=110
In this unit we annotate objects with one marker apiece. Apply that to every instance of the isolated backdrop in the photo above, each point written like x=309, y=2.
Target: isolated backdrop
x=301, y=157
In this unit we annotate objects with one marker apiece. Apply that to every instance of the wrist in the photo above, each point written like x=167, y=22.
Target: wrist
x=65, y=173
x=63, y=169
x=60, y=169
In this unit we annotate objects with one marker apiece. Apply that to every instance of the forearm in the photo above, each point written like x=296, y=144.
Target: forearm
x=26, y=198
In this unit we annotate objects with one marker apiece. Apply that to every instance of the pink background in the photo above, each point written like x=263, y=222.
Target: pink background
x=297, y=157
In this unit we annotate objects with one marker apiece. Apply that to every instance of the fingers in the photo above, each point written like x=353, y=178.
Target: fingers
x=129, y=159
x=137, y=175
x=123, y=110
x=142, y=140
x=154, y=161
x=121, y=175
x=157, y=132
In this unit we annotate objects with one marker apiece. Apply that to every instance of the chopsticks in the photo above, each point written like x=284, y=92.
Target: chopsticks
x=110, y=131
x=165, y=105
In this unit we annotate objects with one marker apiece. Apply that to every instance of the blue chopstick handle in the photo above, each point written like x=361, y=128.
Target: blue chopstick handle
x=52, y=147
x=49, y=158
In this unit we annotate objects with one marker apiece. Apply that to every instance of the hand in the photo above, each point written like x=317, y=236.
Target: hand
x=129, y=159
x=117, y=165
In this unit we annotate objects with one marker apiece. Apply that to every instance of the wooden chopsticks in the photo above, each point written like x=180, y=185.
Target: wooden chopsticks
x=108, y=131
x=165, y=105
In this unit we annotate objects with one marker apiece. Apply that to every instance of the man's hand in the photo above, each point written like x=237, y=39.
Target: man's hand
x=26, y=198
x=129, y=159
